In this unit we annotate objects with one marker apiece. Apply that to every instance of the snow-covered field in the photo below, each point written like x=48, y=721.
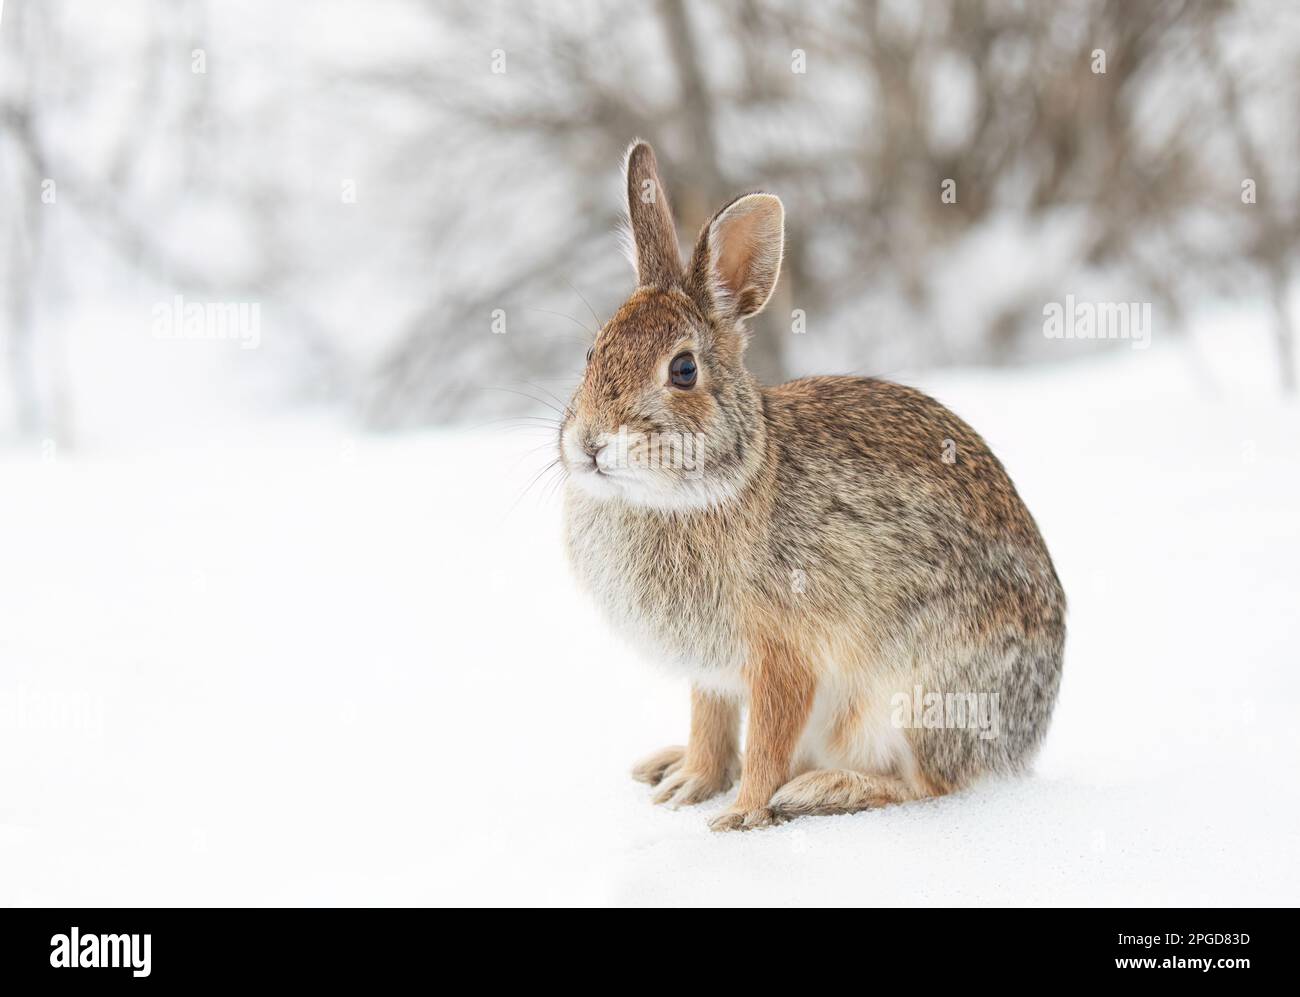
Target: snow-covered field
x=303, y=667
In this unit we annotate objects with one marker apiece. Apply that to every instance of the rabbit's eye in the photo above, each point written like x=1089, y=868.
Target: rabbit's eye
x=682, y=371
x=591, y=353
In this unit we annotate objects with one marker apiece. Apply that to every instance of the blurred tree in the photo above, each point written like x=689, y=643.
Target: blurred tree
x=35, y=370
x=399, y=195
x=1076, y=149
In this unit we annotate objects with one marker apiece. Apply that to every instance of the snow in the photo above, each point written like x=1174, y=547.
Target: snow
x=294, y=665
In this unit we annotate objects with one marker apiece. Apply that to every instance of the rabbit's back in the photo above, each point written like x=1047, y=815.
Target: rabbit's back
x=892, y=498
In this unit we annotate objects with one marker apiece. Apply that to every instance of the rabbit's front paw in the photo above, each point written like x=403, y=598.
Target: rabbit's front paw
x=683, y=786
x=680, y=783
x=743, y=820
x=653, y=768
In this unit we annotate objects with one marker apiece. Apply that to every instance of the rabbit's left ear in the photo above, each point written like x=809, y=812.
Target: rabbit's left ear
x=738, y=257
x=655, y=253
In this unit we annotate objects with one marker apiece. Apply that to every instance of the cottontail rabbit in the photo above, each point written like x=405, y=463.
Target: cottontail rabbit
x=842, y=555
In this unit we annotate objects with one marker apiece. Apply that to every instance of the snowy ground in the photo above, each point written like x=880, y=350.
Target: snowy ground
x=305, y=667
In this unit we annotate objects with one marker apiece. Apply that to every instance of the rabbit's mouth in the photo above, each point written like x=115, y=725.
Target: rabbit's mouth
x=651, y=470
x=601, y=478
x=643, y=488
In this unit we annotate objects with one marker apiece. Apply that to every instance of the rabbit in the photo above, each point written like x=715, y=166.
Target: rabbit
x=842, y=557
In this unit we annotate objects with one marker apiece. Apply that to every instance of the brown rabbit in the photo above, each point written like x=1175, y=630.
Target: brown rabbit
x=842, y=555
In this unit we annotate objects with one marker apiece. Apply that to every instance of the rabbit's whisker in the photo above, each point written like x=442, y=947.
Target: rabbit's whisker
x=580, y=325
x=563, y=412
x=599, y=323
x=551, y=465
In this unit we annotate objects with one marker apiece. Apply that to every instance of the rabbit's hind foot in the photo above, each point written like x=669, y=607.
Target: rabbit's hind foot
x=839, y=791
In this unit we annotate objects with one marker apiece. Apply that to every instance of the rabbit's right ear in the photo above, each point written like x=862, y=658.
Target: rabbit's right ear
x=738, y=258
x=653, y=236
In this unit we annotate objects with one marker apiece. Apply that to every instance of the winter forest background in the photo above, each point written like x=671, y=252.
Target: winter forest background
x=394, y=182
x=285, y=616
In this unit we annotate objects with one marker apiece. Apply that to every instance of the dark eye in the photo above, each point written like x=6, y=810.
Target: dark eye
x=591, y=353
x=682, y=371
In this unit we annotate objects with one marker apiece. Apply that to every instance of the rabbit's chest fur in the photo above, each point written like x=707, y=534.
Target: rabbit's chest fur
x=672, y=585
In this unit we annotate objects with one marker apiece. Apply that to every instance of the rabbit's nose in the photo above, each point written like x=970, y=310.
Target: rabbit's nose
x=592, y=449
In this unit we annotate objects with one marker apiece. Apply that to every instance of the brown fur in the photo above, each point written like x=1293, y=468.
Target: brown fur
x=780, y=686
x=827, y=559
x=838, y=791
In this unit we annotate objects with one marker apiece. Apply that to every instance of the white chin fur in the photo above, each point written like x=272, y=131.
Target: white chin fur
x=644, y=488
x=650, y=490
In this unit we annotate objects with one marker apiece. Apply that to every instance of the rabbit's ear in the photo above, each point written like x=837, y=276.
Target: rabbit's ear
x=654, y=250
x=738, y=257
